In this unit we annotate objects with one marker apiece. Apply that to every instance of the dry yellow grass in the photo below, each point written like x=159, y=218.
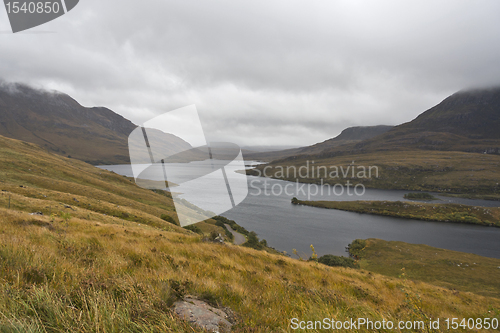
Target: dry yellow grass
x=81, y=275
x=110, y=264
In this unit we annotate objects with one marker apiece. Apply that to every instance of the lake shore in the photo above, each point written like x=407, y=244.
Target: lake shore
x=416, y=211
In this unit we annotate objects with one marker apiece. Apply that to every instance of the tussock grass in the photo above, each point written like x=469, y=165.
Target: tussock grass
x=454, y=270
x=109, y=263
x=80, y=275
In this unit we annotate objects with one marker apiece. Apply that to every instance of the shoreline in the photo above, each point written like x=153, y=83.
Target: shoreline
x=448, y=213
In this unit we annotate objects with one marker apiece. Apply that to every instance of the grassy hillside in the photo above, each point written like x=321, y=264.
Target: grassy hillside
x=456, y=271
x=417, y=211
x=101, y=259
x=448, y=172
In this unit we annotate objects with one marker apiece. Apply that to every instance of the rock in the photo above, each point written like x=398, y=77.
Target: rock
x=203, y=315
x=219, y=239
x=37, y=213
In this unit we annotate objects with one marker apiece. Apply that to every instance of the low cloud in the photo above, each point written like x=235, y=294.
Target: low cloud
x=281, y=72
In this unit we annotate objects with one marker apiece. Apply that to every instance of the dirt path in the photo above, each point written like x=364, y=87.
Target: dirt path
x=238, y=238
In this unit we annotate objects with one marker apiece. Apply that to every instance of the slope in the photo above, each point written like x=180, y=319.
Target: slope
x=347, y=136
x=468, y=121
x=58, y=123
x=101, y=259
x=452, y=147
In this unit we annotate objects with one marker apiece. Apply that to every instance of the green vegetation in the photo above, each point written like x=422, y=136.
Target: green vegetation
x=419, y=196
x=222, y=220
x=356, y=248
x=455, y=271
x=194, y=228
x=116, y=266
x=489, y=216
x=331, y=260
x=254, y=242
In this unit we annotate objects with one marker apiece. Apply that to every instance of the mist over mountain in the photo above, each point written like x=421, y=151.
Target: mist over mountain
x=473, y=114
x=468, y=120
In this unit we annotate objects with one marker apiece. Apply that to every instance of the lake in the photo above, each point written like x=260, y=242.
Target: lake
x=286, y=227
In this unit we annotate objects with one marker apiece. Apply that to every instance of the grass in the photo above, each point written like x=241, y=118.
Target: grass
x=417, y=211
x=85, y=276
x=472, y=174
x=455, y=271
x=101, y=259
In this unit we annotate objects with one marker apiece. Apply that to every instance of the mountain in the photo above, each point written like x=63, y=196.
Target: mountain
x=468, y=121
x=347, y=136
x=58, y=123
x=474, y=114
x=453, y=147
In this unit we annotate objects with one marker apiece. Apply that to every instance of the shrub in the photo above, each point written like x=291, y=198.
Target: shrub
x=221, y=220
x=355, y=248
x=193, y=228
x=253, y=241
x=331, y=260
x=419, y=196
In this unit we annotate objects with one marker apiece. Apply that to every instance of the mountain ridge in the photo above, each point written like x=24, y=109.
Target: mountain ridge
x=60, y=124
x=467, y=121
x=347, y=136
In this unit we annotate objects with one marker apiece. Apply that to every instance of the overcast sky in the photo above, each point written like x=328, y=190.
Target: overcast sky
x=262, y=72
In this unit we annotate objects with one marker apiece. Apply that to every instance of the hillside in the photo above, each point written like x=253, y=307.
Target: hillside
x=347, y=136
x=448, y=269
x=98, y=257
x=452, y=148
x=477, y=175
x=466, y=121
x=59, y=124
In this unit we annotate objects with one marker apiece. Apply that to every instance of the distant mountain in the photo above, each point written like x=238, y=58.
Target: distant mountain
x=58, y=123
x=347, y=136
x=466, y=121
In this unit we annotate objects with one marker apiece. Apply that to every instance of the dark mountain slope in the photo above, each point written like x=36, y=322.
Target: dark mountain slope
x=58, y=123
x=348, y=135
x=474, y=114
x=466, y=121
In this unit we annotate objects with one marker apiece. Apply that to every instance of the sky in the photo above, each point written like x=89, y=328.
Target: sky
x=261, y=72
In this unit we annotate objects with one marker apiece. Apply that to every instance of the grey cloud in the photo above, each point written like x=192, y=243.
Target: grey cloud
x=260, y=72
